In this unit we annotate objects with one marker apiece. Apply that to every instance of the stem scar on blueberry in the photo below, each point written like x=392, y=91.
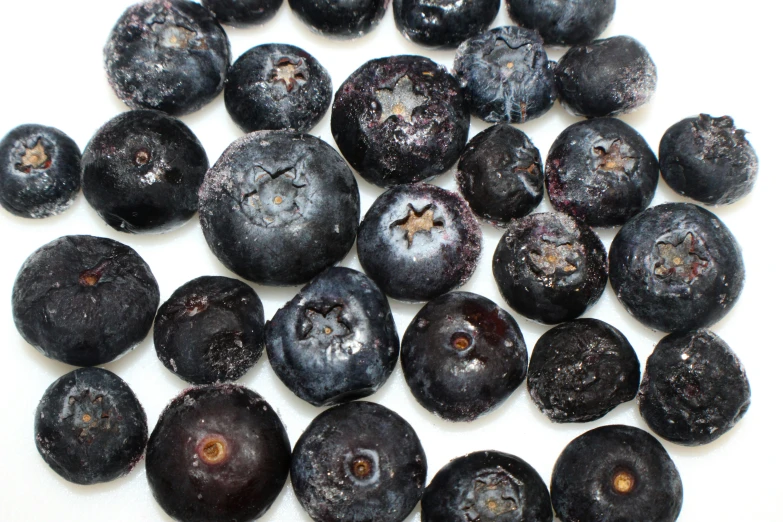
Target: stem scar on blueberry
x=287, y=71
x=142, y=157
x=400, y=100
x=361, y=467
x=553, y=257
x=195, y=304
x=680, y=259
x=34, y=158
x=418, y=222
x=212, y=449
x=92, y=276
x=461, y=341
x=613, y=158
x=623, y=481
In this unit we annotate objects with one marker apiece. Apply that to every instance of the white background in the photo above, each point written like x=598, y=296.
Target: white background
x=713, y=56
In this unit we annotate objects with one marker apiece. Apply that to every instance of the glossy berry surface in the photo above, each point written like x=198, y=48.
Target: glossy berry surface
x=359, y=461
x=40, y=170
x=217, y=453
x=444, y=24
x=336, y=340
x=90, y=427
x=211, y=329
x=84, y=300
x=419, y=241
x=142, y=170
x=462, y=356
x=242, y=13
x=277, y=208
x=563, y=23
x=340, y=18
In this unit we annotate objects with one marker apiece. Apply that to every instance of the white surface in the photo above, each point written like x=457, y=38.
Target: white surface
x=714, y=56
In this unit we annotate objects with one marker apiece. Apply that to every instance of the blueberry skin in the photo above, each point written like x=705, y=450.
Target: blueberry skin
x=606, y=77
x=278, y=207
x=84, y=300
x=670, y=295
x=243, y=13
x=336, y=340
x=359, y=461
x=419, y=241
x=601, y=171
x=550, y=267
x=694, y=388
x=443, y=24
x=217, y=453
x=489, y=486
x=277, y=86
x=90, y=427
x=708, y=159
x=567, y=23
x=141, y=172
x=616, y=473
x=169, y=55
x=400, y=119
x=39, y=171
x=496, y=92
x=343, y=19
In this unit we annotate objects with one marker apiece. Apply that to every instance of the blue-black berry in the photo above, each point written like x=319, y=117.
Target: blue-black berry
x=443, y=24
x=243, y=13
x=570, y=22
x=340, y=18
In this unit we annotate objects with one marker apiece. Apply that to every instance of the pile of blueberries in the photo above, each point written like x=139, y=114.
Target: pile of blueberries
x=281, y=207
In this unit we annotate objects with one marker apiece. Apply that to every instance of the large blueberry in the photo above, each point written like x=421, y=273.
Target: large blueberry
x=340, y=18
x=560, y=22
x=443, y=23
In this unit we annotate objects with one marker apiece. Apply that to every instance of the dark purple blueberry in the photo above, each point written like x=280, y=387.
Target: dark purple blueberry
x=360, y=462
x=606, y=77
x=506, y=75
x=708, y=159
x=217, y=453
x=500, y=174
x=278, y=207
x=444, y=23
x=90, y=427
x=581, y=370
x=601, y=171
x=550, y=267
x=462, y=356
x=336, y=340
x=277, y=86
x=560, y=22
x=486, y=486
x=400, y=119
x=243, y=13
x=340, y=18
x=694, y=388
x=84, y=300
x=676, y=267
x=40, y=171
x=169, y=55
x=419, y=241
x=211, y=329
x=142, y=170
x=616, y=473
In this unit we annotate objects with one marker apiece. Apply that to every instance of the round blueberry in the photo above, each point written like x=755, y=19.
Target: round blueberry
x=570, y=22
x=445, y=23
x=243, y=13
x=340, y=18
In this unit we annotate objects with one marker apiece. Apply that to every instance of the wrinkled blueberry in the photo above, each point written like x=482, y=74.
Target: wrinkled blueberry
x=339, y=18
x=550, y=267
x=336, y=340
x=676, y=267
x=84, y=300
x=39, y=171
x=361, y=462
x=278, y=207
x=142, y=170
x=606, y=77
x=90, y=427
x=506, y=75
x=400, y=119
x=169, y=55
x=418, y=242
x=444, y=23
x=243, y=13
x=277, y=86
x=217, y=453
x=570, y=22
x=601, y=171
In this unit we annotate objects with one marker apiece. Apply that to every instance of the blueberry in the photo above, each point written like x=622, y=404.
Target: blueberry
x=277, y=86
x=400, y=119
x=142, y=170
x=169, y=55
x=606, y=77
x=418, y=242
x=571, y=22
x=84, y=300
x=336, y=340
x=550, y=267
x=360, y=462
x=211, y=329
x=708, y=159
x=506, y=75
x=339, y=18
x=694, y=388
x=601, y=171
x=676, y=267
x=217, y=453
x=462, y=356
x=243, y=13
x=617, y=473
x=486, y=486
x=90, y=427
x=278, y=207
x=39, y=171
x=445, y=23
